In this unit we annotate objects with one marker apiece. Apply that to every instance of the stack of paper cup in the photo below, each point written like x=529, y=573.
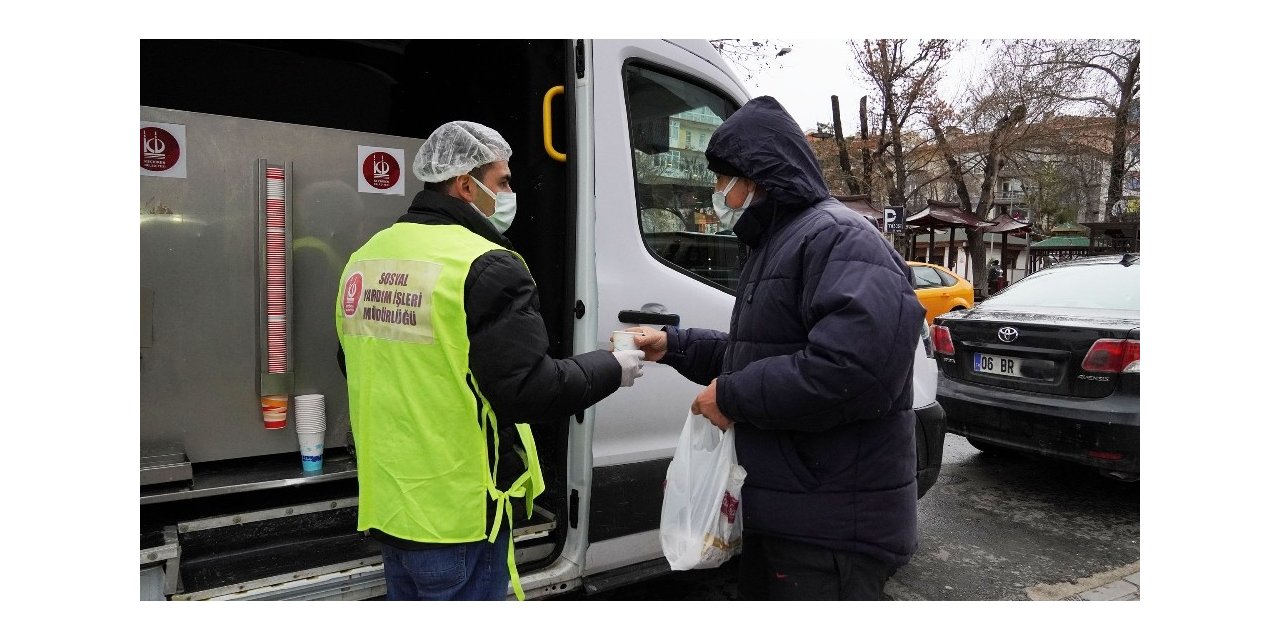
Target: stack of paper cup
x=277, y=337
x=308, y=418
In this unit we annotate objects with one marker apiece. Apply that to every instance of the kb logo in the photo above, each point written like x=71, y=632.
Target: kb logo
x=381, y=171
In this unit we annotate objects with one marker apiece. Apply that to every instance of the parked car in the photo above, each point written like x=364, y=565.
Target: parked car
x=1050, y=366
x=940, y=289
x=931, y=419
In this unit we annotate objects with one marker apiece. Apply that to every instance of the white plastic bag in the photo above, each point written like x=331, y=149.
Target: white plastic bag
x=701, y=525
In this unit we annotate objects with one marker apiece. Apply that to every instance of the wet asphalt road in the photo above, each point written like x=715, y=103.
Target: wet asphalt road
x=994, y=527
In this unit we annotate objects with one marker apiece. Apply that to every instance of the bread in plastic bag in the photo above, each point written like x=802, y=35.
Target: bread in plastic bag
x=701, y=524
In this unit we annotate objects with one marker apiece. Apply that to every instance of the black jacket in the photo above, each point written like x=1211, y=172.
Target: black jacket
x=509, y=341
x=816, y=369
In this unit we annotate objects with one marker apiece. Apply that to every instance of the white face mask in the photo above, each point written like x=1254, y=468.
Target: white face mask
x=504, y=212
x=729, y=215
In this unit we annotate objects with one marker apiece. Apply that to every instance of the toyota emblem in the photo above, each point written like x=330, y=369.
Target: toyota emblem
x=1007, y=334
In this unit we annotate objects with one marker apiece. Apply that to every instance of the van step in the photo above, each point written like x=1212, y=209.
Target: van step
x=238, y=552
x=627, y=575
x=540, y=525
x=246, y=547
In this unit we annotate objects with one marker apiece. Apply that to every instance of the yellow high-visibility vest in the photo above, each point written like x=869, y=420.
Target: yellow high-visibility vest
x=417, y=415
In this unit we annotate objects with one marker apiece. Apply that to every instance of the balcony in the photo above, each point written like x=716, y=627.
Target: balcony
x=694, y=116
x=1009, y=197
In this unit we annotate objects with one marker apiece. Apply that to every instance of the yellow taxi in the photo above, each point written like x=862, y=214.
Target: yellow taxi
x=939, y=289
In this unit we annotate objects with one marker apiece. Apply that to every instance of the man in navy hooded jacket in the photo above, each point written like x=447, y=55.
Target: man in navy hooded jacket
x=814, y=374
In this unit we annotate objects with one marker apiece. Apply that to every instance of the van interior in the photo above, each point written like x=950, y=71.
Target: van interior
x=229, y=517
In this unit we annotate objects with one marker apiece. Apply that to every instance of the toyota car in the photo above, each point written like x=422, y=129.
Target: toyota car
x=1049, y=366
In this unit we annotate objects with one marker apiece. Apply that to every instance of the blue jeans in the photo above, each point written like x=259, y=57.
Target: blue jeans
x=467, y=571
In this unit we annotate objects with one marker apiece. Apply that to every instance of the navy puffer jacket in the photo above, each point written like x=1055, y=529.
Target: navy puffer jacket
x=816, y=367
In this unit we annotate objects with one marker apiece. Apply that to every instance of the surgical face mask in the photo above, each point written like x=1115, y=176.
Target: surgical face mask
x=504, y=209
x=729, y=215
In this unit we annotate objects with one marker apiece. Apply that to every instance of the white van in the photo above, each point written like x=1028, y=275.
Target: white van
x=614, y=223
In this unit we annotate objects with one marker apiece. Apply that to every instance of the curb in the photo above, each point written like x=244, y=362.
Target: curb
x=1127, y=589
x=1121, y=583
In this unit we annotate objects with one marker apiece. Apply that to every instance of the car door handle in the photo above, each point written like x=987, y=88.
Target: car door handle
x=631, y=316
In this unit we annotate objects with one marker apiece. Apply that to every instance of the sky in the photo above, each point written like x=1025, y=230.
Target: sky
x=804, y=80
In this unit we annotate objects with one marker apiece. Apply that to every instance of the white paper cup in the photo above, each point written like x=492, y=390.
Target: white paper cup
x=309, y=421
x=624, y=341
x=311, y=445
x=308, y=413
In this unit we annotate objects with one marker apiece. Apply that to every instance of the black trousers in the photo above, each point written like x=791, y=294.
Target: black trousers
x=772, y=568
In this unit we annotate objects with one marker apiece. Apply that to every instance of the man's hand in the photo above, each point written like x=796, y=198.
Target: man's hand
x=632, y=363
x=653, y=342
x=705, y=405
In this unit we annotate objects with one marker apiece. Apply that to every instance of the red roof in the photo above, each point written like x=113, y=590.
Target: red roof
x=944, y=215
x=862, y=205
x=1006, y=224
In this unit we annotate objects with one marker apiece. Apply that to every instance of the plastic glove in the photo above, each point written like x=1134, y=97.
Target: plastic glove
x=632, y=363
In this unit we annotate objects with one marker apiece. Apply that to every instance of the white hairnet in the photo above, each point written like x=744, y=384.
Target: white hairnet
x=457, y=147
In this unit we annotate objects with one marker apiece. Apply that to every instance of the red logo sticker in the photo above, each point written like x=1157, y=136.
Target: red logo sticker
x=351, y=294
x=160, y=150
x=381, y=170
x=729, y=507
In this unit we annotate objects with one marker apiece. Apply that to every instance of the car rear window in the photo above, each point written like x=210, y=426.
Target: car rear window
x=1096, y=286
x=947, y=280
x=926, y=278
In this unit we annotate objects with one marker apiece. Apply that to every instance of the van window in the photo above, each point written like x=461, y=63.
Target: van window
x=673, y=185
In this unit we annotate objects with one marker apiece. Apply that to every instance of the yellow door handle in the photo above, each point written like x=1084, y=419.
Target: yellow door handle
x=546, y=123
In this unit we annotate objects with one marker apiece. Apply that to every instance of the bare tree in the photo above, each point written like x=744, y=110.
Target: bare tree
x=866, y=150
x=1018, y=129
x=906, y=75
x=1103, y=77
x=855, y=185
x=1062, y=188
x=992, y=158
x=751, y=56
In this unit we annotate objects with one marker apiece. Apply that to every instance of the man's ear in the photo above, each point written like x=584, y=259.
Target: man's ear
x=465, y=189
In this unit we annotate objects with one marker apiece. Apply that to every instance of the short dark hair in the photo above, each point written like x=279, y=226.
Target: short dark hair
x=443, y=185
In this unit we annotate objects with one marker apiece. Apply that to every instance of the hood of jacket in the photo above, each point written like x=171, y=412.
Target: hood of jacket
x=764, y=143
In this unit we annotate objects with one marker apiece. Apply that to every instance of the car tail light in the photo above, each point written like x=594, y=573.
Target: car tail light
x=1109, y=355
x=942, y=341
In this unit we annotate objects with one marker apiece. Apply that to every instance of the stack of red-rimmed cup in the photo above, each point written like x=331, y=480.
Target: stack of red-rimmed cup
x=276, y=296
x=277, y=338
